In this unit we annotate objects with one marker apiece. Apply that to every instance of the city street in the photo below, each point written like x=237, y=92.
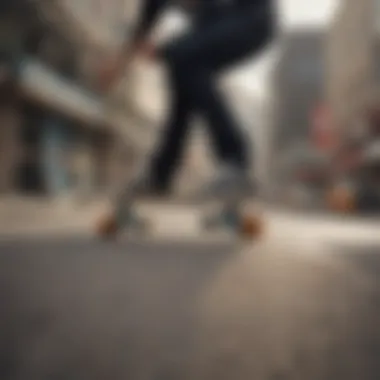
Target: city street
x=301, y=304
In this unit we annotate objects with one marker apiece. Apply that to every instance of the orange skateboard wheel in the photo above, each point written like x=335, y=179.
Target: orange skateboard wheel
x=252, y=227
x=107, y=228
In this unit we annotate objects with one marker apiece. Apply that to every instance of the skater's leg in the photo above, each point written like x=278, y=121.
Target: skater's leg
x=159, y=171
x=169, y=151
x=226, y=135
x=157, y=176
x=197, y=58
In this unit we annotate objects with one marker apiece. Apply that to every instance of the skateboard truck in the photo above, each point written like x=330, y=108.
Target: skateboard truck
x=246, y=226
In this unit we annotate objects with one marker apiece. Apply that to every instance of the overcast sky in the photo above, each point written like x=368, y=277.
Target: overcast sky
x=310, y=12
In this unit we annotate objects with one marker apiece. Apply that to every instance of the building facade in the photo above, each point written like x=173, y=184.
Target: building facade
x=300, y=67
x=337, y=69
x=55, y=137
x=351, y=60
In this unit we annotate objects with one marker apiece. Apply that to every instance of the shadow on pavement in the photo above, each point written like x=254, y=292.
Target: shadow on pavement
x=77, y=309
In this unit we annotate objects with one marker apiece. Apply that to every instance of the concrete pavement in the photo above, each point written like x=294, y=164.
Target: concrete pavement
x=286, y=308
x=32, y=216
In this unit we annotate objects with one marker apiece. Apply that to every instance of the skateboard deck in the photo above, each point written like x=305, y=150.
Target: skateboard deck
x=231, y=213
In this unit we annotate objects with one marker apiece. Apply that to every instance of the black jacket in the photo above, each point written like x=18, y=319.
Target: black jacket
x=152, y=9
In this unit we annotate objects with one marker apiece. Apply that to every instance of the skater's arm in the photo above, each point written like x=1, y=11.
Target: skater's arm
x=150, y=11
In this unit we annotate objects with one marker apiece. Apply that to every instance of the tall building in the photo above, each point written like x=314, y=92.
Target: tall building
x=338, y=67
x=350, y=60
x=298, y=86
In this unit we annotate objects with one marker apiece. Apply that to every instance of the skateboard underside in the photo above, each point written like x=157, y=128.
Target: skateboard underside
x=220, y=215
x=221, y=210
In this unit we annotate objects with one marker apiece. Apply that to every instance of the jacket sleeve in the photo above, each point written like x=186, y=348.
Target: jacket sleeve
x=255, y=3
x=151, y=10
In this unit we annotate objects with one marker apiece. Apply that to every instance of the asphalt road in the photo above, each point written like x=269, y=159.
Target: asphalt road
x=79, y=309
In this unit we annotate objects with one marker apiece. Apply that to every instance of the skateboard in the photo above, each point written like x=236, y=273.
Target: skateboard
x=221, y=213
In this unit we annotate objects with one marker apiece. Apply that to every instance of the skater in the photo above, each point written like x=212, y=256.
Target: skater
x=223, y=33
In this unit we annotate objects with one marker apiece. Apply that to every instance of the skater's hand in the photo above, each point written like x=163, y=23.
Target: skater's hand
x=146, y=50
x=115, y=66
x=111, y=72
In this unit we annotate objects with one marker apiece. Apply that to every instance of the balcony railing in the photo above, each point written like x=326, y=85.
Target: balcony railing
x=42, y=83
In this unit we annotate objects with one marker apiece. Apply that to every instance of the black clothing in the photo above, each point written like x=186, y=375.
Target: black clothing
x=151, y=9
x=225, y=32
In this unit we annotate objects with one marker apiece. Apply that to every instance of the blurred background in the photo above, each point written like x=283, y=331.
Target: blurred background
x=302, y=303
x=61, y=138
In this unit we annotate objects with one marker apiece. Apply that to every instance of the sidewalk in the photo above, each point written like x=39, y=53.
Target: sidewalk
x=41, y=217
x=23, y=217
x=33, y=216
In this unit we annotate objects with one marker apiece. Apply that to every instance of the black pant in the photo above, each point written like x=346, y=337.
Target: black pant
x=193, y=62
